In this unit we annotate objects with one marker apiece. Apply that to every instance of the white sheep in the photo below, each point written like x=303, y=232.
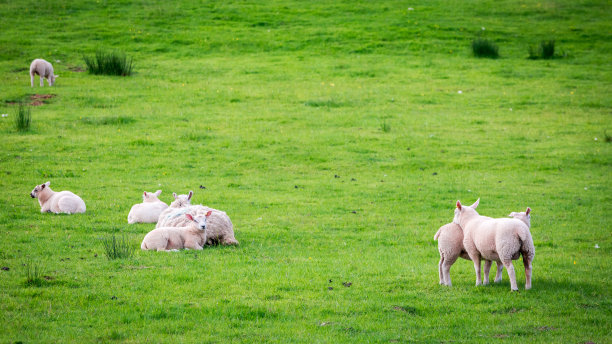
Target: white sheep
x=523, y=216
x=220, y=229
x=44, y=69
x=500, y=240
x=175, y=208
x=192, y=236
x=148, y=211
x=450, y=246
x=57, y=202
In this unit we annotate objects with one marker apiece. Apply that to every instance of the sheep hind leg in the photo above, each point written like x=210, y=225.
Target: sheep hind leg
x=498, y=275
x=42, y=84
x=477, y=269
x=448, y=262
x=440, y=273
x=527, y=264
x=511, y=274
x=487, y=269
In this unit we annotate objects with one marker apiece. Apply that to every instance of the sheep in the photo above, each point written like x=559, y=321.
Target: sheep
x=192, y=236
x=148, y=211
x=500, y=240
x=523, y=216
x=175, y=208
x=57, y=202
x=44, y=69
x=220, y=229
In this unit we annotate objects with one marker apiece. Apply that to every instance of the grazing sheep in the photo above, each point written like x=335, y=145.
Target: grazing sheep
x=500, y=240
x=148, y=211
x=57, y=202
x=176, y=208
x=192, y=236
x=44, y=69
x=523, y=216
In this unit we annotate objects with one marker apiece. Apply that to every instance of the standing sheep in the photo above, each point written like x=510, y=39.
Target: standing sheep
x=44, y=69
x=57, y=202
x=500, y=240
x=523, y=216
x=148, y=211
x=192, y=236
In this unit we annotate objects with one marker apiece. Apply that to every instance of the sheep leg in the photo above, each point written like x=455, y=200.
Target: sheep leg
x=448, y=262
x=498, y=276
x=41, y=81
x=487, y=269
x=476, y=260
x=527, y=264
x=442, y=282
x=31, y=80
x=511, y=274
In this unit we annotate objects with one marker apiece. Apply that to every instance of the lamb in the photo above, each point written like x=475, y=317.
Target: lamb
x=499, y=240
x=57, y=202
x=44, y=69
x=523, y=216
x=193, y=236
x=148, y=211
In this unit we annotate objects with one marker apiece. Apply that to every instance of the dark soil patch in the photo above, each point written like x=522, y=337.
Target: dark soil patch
x=77, y=69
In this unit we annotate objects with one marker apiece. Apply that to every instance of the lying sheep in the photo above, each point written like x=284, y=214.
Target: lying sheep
x=192, y=236
x=220, y=229
x=176, y=208
x=148, y=211
x=44, y=69
x=499, y=240
x=57, y=202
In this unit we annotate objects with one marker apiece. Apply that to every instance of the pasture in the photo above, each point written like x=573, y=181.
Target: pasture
x=337, y=135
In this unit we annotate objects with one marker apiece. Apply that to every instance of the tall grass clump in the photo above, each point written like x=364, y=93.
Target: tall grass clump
x=546, y=50
x=116, y=248
x=109, y=63
x=33, y=274
x=23, y=117
x=482, y=47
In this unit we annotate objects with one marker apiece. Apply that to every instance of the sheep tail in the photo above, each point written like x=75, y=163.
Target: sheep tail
x=437, y=234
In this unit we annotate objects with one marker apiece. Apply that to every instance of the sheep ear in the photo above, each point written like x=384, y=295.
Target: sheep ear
x=189, y=217
x=174, y=195
x=512, y=214
x=144, y=194
x=158, y=192
x=473, y=206
x=46, y=184
x=458, y=205
x=190, y=194
x=208, y=213
x=528, y=211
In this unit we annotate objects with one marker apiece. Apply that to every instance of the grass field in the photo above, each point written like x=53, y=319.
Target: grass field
x=337, y=135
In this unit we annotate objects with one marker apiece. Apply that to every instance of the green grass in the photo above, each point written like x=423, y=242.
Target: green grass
x=277, y=109
x=23, y=117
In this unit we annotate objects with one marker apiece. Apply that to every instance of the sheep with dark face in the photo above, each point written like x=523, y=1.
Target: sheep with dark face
x=57, y=202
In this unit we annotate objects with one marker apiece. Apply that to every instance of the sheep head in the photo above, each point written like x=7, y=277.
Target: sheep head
x=462, y=210
x=523, y=216
x=181, y=200
x=151, y=196
x=39, y=188
x=200, y=220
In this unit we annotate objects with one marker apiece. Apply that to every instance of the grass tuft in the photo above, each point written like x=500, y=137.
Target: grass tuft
x=482, y=47
x=385, y=127
x=109, y=63
x=108, y=120
x=34, y=274
x=546, y=50
x=23, y=117
x=117, y=248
